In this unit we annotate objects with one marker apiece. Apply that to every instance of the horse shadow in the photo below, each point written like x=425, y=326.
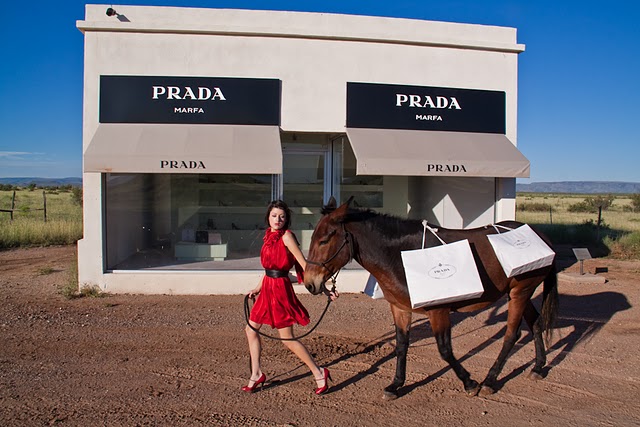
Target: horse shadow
x=584, y=316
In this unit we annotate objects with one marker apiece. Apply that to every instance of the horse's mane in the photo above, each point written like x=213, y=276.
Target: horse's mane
x=389, y=227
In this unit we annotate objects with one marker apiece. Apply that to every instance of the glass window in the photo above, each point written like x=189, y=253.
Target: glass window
x=216, y=221
x=365, y=189
x=305, y=174
x=303, y=179
x=190, y=221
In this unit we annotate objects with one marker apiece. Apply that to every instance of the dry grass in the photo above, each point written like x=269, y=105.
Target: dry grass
x=618, y=235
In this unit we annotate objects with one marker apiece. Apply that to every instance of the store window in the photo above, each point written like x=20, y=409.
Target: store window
x=216, y=221
x=367, y=190
x=190, y=221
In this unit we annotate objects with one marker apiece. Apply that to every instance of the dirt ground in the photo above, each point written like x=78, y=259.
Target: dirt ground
x=130, y=360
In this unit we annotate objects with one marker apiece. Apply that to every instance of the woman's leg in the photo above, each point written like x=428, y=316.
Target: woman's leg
x=303, y=354
x=255, y=350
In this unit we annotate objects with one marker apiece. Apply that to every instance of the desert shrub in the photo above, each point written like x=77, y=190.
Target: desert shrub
x=70, y=288
x=92, y=291
x=76, y=195
x=534, y=207
x=625, y=247
x=592, y=204
x=43, y=271
x=635, y=202
x=586, y=233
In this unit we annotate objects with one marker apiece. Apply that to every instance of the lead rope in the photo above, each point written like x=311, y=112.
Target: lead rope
x=247, y=310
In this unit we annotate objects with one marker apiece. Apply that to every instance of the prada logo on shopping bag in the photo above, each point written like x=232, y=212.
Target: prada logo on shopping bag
x=442, y=271
x=521, y=244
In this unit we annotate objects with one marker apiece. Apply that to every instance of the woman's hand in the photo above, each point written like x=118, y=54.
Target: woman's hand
x=333, y=295
x=254, y=292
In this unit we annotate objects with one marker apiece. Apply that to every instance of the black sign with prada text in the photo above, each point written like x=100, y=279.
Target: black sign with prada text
x=384, y=106
x=189, y=100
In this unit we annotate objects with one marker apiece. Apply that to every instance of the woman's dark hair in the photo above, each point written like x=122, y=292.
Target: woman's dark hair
x=279, y=204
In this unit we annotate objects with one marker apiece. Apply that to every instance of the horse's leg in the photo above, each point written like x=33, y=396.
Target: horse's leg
x=441, y=327
x=515, y=311
x=402, y=320
x=533, y=319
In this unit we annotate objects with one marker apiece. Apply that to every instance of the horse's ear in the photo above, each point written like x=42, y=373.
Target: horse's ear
x=329, y=207
x=341, y=212
x=332, y=204
x=349, y=201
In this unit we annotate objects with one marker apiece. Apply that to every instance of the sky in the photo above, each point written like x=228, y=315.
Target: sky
x=578, y=81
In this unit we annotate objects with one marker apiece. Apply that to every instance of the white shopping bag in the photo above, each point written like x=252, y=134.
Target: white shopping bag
x=441, y=274
x=373, y=289
x=521, y=250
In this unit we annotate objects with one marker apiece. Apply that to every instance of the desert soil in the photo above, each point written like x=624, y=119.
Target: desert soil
x=133, y=360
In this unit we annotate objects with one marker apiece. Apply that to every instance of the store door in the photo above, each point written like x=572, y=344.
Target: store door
x=306, y=178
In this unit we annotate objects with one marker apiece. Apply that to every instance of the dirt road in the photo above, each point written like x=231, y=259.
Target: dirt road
x=130, y=360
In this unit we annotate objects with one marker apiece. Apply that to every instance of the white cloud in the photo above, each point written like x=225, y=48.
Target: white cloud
x=15, y=153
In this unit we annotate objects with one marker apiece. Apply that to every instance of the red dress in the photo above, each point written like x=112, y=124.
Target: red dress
x=277, y=304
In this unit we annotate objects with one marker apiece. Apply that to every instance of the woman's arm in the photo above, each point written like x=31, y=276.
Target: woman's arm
x=255, y=291
x=292, y=244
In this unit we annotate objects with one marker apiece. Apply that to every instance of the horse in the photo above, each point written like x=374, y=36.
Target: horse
x=375, y=241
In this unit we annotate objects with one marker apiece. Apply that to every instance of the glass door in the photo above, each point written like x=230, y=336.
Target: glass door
x=305, y=187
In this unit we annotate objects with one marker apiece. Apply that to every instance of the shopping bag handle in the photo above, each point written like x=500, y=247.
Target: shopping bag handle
x=432, y=230
x=495, y=226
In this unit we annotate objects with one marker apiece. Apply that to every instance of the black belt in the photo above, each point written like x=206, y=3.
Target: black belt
x=274, y=274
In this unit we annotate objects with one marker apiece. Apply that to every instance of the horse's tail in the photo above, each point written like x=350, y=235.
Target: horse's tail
x=550, y=303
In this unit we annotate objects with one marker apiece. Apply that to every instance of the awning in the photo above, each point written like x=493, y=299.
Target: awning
x=182, y=148
x=434, y=153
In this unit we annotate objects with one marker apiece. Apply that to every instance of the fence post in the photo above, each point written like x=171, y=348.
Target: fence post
x=599, y=222
x=13, y=203
x=44, y=198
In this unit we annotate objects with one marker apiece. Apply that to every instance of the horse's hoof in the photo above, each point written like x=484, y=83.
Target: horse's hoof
x=486, y=391
x=472, y=392
x=472, y=389
x=535, y=376
x=389, y=395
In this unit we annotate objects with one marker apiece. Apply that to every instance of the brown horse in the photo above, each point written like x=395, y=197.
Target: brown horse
x=375, y=241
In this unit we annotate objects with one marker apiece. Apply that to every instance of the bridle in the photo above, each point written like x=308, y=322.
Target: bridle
x=333, y=275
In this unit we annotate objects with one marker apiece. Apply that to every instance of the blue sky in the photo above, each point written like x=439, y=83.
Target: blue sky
x=579, y=79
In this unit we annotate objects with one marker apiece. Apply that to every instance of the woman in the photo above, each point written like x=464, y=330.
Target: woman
x=277, y=304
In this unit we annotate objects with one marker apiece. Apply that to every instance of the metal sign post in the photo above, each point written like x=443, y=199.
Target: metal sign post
x=581, y=254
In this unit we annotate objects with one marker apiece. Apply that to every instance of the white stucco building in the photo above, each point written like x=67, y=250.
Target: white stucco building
x=194, y=119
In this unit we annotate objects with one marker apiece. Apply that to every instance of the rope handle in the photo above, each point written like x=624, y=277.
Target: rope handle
x=495, y=226
x=432, y=230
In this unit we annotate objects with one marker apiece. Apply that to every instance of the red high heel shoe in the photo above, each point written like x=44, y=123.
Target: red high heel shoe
x=259, y=382
x=326, y=376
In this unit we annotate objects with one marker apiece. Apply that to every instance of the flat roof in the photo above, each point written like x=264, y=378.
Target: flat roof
x=285, y=24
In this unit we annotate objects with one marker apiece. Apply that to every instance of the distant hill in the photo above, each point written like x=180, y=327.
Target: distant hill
x=573, y=187
x=42, y=182
x=580, y=187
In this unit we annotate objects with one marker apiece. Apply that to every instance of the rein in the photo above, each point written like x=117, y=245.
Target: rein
x=247, y=310
x=333, y=276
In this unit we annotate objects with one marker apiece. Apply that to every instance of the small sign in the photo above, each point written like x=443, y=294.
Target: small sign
x=581, y=253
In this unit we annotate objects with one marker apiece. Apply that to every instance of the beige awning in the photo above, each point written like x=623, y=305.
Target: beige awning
x=181, y=148
x=434, y=153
